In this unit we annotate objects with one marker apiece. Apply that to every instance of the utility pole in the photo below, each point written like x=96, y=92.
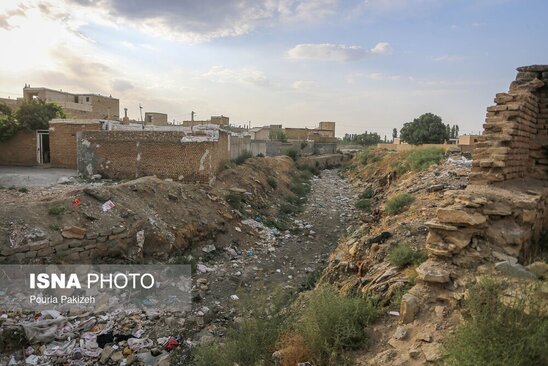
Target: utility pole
x=141, y=113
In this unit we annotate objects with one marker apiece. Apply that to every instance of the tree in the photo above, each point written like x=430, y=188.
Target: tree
x=36, y=114
x=8, y=124
x=456, y=131
x=278, y=135
x=448, y=130
x=426, y=129
x=395, y=133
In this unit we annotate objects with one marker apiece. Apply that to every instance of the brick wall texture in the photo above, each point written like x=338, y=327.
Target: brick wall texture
x=62, y=139
x=514, y=143
x=19, y=150
x=133, y=154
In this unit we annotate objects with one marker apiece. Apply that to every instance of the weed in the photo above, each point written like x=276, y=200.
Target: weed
x=420, y=159
x=299, y=188
x=369, y=156
x=54, y=227
x=260, y=155
x=292, y=153
x=332, y=323
x=364, y=205
x=188, y=260
x=368, y=193
x=234, y=200
x=398, y=204
x=404, y=255
x=57, y=210
x=23, y=190
x=289, y=209
x=497, y=332
x=246, y=154
x=272, y=182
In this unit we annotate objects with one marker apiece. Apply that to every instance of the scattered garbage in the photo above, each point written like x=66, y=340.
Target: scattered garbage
x=108, y=205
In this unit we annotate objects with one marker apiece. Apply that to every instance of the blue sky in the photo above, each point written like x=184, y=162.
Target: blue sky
x=368, y=65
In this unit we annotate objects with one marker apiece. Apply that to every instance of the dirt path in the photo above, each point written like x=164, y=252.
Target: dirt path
x=277, y=259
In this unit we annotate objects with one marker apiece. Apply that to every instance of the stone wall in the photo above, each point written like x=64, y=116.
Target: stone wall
x=62, y=139
x=19, y=150
x=514, y=143
x=133, y=154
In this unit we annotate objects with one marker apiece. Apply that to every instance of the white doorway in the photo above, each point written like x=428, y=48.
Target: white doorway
x=42, y=147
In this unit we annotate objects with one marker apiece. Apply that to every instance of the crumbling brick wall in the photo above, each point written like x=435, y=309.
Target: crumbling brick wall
x=133, y=154
x=515, y=140
x=62, y=139
x=19, y=150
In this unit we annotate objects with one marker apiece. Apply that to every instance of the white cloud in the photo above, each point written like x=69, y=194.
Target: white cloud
x=204, y=20
x=336, y=52
x=220, y=74
x=382, y=48
x=449, y=58
x=304, y=85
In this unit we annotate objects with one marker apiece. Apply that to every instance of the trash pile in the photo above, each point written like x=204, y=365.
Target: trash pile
x=121, y=337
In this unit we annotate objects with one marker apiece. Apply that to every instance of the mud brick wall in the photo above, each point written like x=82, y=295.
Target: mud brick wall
x=133, y=154
x=19, y=150
x=514, y=143
x=62, y=139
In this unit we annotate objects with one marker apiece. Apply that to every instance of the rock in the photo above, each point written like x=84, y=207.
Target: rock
x=414, y=353
x=432, y=352
x=425, y=337
x=73, y=232
x=540, y=269
x=409, y=308
x=436, y=188
x=436, y=225
x=430, y=271
x=105, y=354
x=102, y=195
x=116, y=357
x=460, y=217
x=514, y=270
x=504, y=257
x=498, y=209
x=209, y=248
x=400, y=333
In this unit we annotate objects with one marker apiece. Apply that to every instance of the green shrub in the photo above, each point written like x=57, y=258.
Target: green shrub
x=289, y=209
x=57, y=210
x=23, y=190
x=404, y=255
x=188, y=260
x=234, y=200
x=292, y=153
x=300, y=189
x=399, y=203
x=246, y=154
x=369, y=156
x=252, y=341
x=332, y=324
x=420, y=159
x=368, y=193
x=501, y=333
x=260, y=155
x=364, y=205
x=272, y=182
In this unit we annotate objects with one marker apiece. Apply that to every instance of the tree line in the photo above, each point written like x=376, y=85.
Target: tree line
x=31, y=116
x=425, y=129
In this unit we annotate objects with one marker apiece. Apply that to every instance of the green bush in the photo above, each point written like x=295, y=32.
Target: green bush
x=260, y=155
x=252, y=341
x=420, y=159
x=364, y=204
x=399, y=203
x=292, y=153
x=246, y=154
x=234, y=200
x=299, y=188
x=57, y=210
x=332, y=324
x=23, y=190
x=501, y=333
x=272, y=182
x=289, y=208
x=404, y=255
x=369, y=156
x=368, y=193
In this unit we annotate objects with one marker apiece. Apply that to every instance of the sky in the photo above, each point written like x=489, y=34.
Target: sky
x=369, y=65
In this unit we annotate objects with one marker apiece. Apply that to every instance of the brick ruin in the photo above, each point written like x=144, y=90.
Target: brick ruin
x=515, y=137
x=505, y=206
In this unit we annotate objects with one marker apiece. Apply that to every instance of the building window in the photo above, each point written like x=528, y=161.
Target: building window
x=87, y=99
